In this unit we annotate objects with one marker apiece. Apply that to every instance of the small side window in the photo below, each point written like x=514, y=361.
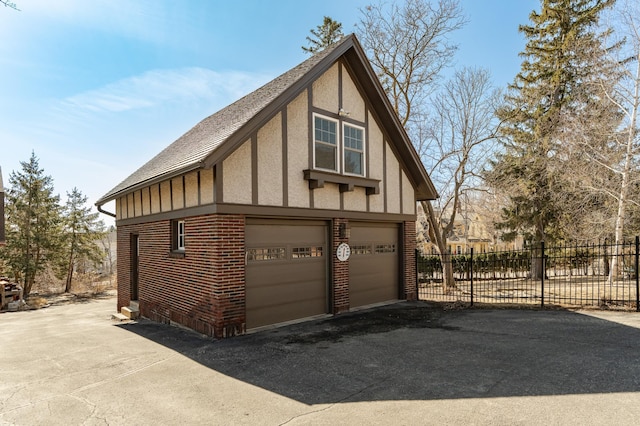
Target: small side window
x=177, y=236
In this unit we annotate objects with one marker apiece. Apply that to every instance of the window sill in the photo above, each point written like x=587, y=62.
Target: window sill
x=347, y=183
x=176, y=254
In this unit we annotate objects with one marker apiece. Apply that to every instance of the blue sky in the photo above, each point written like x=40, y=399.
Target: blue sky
x=96, y=88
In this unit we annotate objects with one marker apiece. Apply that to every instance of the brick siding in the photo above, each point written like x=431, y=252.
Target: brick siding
x=340, y=270
x=409, y=261
x=205, y=289
x=202, y=290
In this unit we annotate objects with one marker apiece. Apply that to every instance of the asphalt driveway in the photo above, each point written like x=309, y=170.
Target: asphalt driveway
x=408, y=363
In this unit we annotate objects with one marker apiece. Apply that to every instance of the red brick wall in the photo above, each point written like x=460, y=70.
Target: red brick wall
x=340, y=270
x=409, y=260
x=227, y=263
x=204, y=290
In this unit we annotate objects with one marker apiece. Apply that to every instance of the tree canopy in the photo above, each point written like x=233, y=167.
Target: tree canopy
x=549, y=104
x=34, y=222
x=323, y=36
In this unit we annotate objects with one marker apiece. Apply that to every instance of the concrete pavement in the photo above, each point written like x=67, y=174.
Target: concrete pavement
x=407, y=363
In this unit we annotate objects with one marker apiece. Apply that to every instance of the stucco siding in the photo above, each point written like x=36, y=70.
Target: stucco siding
x=298, y=150
x=191, y=189
x=119, y=204
x=137, y=199
x=237, y=176
x=177, y=193
x=392, y=178
x=325, y=90
x=408, y=196
x=206, y=186
x=146, y=201
x=352, y=101
x=356, y=200
x=130, y=206
x=327, y=197
x=270, y=163
x=155, y=199
x=376, y=164
x=165, y=195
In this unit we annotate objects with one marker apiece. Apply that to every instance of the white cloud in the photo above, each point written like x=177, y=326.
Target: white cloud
x=113, y=129
x=159, y=87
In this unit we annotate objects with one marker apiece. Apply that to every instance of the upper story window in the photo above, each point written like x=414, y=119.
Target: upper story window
x=353, y=150
x=327, y=143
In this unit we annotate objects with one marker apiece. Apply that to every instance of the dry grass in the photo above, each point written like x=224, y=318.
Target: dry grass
x=92, y=285
x=37, y=302
x=573, y=292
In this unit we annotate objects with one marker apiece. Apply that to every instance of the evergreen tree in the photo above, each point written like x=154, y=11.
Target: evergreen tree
x=324, y=36
x=550, y=105
x=33, y=223
x=82, y=232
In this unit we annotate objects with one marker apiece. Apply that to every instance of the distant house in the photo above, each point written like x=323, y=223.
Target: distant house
x=471, y=231
x=295, y=201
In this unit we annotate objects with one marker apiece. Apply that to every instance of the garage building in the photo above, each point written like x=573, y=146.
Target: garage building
x=295, y=201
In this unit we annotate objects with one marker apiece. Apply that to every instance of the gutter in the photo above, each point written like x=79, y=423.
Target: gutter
x=99, y=206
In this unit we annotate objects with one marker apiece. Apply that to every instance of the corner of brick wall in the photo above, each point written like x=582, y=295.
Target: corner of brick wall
x=409, y=255
x=340, y=270
x=204, y=290
x=123, y=267
x=228, y=262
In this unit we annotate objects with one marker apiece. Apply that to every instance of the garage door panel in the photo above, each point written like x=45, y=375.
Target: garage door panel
x=374, y=265
x=280, y=282
x=286, y=273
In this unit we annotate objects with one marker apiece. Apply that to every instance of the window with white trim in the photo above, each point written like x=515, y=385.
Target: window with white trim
x=325, y=143
x=177, y=235
x=353, y=150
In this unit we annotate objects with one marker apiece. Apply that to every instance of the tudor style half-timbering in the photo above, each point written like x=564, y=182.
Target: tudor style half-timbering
x=238, y=223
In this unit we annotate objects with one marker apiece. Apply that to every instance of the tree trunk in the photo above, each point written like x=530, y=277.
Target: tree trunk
x=537, y=262
x=67, y=287
x=537, y=255
x=448, y=283
x=624, y=185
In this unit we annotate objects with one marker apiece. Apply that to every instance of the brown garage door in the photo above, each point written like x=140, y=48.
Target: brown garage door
x=373, y=266
x=286, y=274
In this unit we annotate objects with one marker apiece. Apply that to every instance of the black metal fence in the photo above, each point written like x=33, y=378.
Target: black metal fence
x=600, y=274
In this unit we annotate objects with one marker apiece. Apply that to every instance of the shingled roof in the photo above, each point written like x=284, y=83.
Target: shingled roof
x=216, y=136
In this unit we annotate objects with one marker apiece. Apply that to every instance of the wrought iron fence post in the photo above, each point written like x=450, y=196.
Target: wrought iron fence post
x=471, y=276
x=544, y=272
x=637, y=274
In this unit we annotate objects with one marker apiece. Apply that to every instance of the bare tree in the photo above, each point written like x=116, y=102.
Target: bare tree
x=408, y=47
x=455, y=144
x=612, y=168
x=10, y=4
x=629, y=97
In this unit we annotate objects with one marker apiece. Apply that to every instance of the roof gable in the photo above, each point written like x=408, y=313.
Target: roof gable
x=215, y=137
